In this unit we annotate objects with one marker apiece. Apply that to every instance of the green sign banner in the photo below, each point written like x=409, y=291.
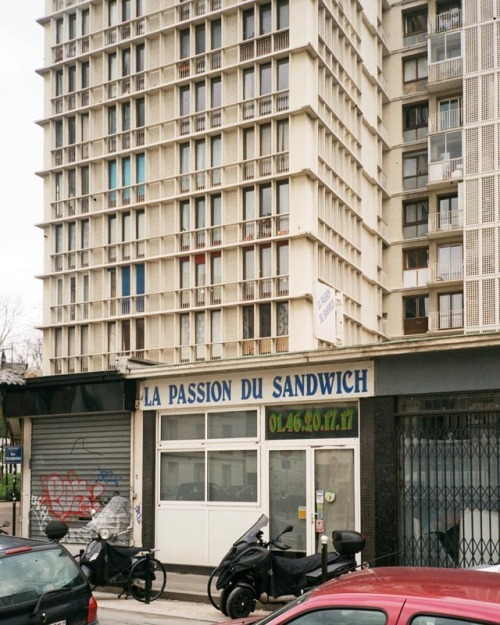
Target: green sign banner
x=291, y=422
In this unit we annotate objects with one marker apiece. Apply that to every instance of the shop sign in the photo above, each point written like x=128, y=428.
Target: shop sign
x=290, y=422
x=314, y=383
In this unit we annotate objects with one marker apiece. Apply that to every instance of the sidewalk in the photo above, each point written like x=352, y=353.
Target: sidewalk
x=184, y=594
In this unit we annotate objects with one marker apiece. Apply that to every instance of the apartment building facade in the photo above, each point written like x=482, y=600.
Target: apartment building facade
x=277, y=221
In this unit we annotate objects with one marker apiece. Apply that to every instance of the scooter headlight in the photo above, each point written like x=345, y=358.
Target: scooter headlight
x=105, y=534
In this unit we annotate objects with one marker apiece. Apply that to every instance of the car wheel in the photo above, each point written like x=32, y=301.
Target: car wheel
x=240, y=602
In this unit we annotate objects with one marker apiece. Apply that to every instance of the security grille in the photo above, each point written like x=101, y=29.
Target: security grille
x=77, y=464
x=449, y=488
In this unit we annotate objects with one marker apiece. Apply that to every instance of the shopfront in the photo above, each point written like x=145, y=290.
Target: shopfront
x=231, y=447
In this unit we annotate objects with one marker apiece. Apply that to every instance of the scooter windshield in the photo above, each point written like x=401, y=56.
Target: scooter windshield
x=250, y=536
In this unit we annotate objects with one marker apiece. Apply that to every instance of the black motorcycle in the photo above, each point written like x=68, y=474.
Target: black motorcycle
x=252, y=570
x=133, y=569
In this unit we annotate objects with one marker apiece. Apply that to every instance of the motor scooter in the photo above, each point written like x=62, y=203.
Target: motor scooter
x=252, y=570
x=106, y=562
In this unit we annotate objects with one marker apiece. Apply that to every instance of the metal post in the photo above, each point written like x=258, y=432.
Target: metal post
x=14, y=504
x=148, y=579
x=324, y=558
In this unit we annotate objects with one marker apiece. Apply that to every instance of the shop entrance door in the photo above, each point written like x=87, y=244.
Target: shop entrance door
x=314, y=490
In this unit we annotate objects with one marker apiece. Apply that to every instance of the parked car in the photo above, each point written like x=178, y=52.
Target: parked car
x=40, y=582
x=395, y=596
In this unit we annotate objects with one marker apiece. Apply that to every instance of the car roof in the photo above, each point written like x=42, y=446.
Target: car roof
x=14, y=542
x=416, y=582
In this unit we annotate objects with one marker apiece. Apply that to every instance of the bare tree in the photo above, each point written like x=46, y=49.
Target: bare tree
x=20, y=341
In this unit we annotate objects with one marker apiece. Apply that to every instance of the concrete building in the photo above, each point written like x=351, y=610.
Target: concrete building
x=272, y=266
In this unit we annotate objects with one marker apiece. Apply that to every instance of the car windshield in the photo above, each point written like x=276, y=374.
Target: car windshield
x=25, y=575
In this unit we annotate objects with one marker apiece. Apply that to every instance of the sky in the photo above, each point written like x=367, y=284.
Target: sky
x=21, y=144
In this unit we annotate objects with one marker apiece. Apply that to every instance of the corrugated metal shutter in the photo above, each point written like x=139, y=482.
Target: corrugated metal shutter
x=77, y=463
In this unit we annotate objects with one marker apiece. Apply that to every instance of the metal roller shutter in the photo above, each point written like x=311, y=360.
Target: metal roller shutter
x=77, y=463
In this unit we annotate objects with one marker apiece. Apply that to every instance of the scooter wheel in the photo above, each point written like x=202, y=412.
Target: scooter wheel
x=223, y=600
x=240, y=602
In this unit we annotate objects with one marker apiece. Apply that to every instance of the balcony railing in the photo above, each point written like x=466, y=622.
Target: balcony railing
x=264, y=45
x=445, y=120
x=445, y=70
x=264, y=227
x=449, y=20
x=446, y=320
x=447, y=271
x=444, y=170
x=264, y=105
x=449, y=220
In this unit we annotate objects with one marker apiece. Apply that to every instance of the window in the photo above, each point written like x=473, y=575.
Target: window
x=184, y=100
x=230, y=474
x=415, y=218
x=450, y=113
x=283, y=15
x=111, y=120
x=415, y=121
x=184, y=44
x=126, y=116
x=140, y=57
x=450, y=262
x=282, y=81
x=85, y=75
x=448, y=213
x=248, y=24
x=71, y=130
x=85, y=22
x=216, y=92
x=59, y=133
x=215, y=34
x=72, y=26
x=71, y=79
x=415, y=169
x=265, y=19
x=112, y=66
x=415, y=70
x=416, y=314
x=446, y=146
x=451, y=310
x=265, y=79
x=416, y=258
x=126, y=62
x=199, y=90
x=59, y=80
x=248, y=84
x=199, y=39
x=445, y=46
x=59, y=30
x=112, y=12
x=415, y=26
x=140, y=113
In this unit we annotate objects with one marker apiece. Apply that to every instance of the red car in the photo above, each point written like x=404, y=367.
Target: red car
x=395, y=596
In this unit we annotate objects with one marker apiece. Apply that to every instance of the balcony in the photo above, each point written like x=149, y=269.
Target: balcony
x=447, y=271
x=445, y=171
x=261, y=46
x=445, y=60
x=446, y=320
x=445, y=120
x=264, y=227
x=264, y=105
x=444, y=22
x=446, y=221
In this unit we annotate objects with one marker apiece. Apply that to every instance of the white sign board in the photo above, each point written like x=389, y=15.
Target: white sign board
x=328, y=314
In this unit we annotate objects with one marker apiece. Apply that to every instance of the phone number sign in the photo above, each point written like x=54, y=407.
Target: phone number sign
x=311, y=422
